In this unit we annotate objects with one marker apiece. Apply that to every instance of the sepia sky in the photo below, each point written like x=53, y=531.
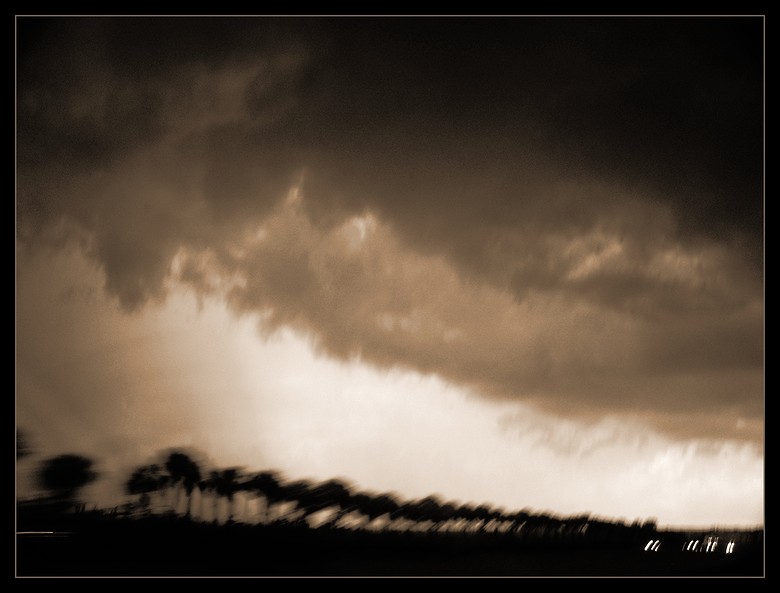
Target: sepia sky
x=512, y=260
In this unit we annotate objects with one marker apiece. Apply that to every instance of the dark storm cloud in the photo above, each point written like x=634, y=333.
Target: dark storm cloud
x=148, y=148
x=567, y=209
x=673, y=104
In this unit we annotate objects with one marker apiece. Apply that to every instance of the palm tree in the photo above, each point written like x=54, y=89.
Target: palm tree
x=340, y=493
x=430, y=509
x=297, y=492
x=325, y=495
x=268, y=485
x=504, y=520
x=183, y=472
x=422, y=511
x=64, y=475
x=484, y=513
x=143, y=481
x=373, y=506
x=209, y=484
x=466, y=513
x=384, y=504
x=519, y=520
x=446, y=514
x=402, y=513
x=362, y=503
x=227, y=485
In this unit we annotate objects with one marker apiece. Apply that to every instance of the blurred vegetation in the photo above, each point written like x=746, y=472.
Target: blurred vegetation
x=178, y=498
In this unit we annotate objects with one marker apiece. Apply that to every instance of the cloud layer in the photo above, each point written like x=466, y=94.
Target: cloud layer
x=564, y=215
x=119, y=388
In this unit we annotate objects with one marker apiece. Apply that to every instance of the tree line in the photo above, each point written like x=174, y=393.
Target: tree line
x=179, y=476
x=173, y=480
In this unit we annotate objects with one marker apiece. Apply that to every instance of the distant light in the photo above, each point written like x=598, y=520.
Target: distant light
x=649, y=544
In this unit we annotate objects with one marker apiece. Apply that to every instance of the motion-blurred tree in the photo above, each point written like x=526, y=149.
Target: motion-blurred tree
x=184, y=472
x=144, y=480
x=299, y=493
x=209, y=485
x=227, y=485
x=64, y=475
x=373, y=505
x=268, y=485
x=331, y=493
x=384, y=504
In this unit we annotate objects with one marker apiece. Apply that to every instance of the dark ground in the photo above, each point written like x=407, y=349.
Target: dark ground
x=97, y=545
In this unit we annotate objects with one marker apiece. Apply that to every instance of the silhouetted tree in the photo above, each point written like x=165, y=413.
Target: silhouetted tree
x=465, y=513
x=317, y=497
x=209, y=484
x=227, y=485
x=144, y=480
x=483, y=513
x=519, y=520
x=268, y=485
x=384, y=504
x=64, y=475
x=446, y=514
x=423, y=510
x=405, y=510
x=297, y=492
x=372, y=505
x=650, y=524
x=183, y=472
x=362, y=503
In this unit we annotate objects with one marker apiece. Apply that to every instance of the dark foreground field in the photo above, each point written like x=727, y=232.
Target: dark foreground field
x=171, y=546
